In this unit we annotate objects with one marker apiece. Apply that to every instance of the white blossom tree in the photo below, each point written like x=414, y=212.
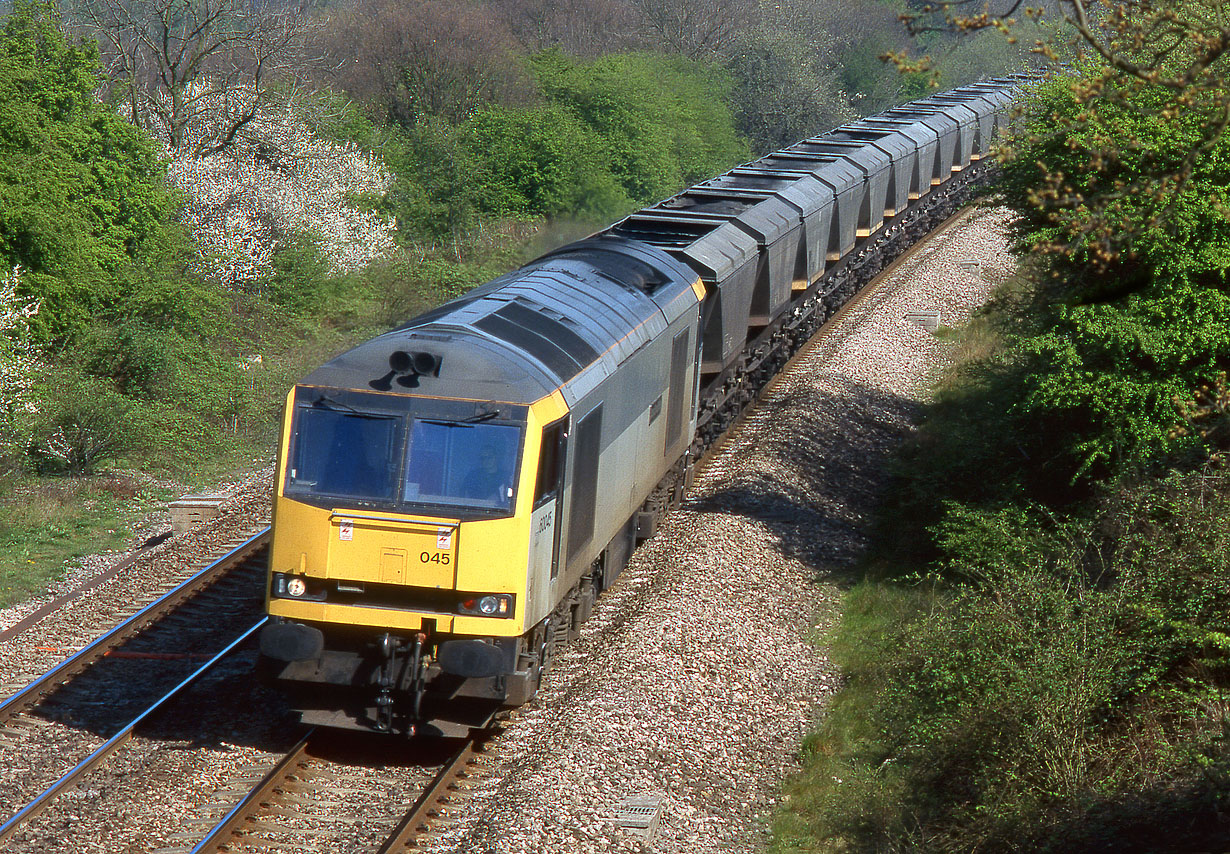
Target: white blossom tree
x=186, y=63
x=18, y=357
x=276, y=178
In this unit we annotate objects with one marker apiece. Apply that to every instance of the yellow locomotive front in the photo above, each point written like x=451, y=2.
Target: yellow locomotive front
x=401, y=571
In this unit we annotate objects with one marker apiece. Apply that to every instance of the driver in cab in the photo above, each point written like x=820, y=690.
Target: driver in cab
x=486, y=481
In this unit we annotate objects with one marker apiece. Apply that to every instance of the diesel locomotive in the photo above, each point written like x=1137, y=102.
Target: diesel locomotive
x=452, y=495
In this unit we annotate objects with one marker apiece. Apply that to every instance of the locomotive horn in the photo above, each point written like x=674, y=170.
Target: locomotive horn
x=419, y=364
x=401, y=361
x=425, y=363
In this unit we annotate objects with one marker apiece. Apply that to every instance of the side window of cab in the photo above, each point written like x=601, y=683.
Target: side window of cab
x=550, y=455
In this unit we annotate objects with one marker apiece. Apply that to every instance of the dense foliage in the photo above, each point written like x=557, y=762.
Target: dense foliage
x=1039, y=661
x=612, y=133
x=83, y=204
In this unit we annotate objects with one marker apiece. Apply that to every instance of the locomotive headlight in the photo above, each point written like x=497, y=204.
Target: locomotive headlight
x=490, y=605
x=283, y=585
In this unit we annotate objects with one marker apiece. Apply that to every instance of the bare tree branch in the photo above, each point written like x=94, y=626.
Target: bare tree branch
x=173, y=55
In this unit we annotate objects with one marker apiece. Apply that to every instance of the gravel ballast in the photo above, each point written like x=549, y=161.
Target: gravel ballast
x=696, y=679
x=153, y=570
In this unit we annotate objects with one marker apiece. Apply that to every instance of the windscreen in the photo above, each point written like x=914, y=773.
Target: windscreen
x=339, y=451
x=345, y=454
x=457, y=463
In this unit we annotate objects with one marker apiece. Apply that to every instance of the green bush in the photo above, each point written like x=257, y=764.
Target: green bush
x=432, y=194
x=1070, y=672
x=616, y=132
x=542, y=162
x=663, y=120
x=80, y=422
x=1122, y=324
x=302, y=278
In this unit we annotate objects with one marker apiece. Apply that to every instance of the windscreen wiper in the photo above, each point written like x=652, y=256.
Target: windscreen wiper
x=481, y=417
x=464, y=422
x=332, y=405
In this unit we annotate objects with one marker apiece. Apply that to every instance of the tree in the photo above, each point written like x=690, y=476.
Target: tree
x=433, y=59
x=83, y=200
x=786, y=79
x=698, y=29
x=174, y=61
x=663, y=121
x=1133, y=297
x=543, y=162
x=1160, y=60
x=17, y=359
x=585, y=28
x=279, y=180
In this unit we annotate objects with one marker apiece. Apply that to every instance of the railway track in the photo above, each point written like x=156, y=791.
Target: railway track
x=691, y=688
x=63, y=726
x=308, y=792
x=53, y=737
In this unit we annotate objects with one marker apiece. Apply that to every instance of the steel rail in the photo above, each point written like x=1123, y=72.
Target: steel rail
x=220, y=837
x=107, y=748
x=417, y=818
x=223, y=835
x=33, y=693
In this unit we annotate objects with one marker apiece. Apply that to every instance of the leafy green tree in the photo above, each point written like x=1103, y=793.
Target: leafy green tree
x=663, y=120
x=83, y=202
x=616, y=132
x=432, y=194
x=541, y=162
x=1134, y=309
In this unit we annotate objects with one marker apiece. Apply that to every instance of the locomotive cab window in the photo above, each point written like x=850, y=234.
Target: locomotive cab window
x=346, y=454
x=472, y=465
x=549, y=470
x=404, y=454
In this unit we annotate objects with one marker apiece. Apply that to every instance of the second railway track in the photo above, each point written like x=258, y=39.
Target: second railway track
x=63, y=725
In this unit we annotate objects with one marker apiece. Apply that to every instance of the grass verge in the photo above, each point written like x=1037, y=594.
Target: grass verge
x=46, y=523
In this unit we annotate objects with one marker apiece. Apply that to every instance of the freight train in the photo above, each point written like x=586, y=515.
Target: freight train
x=453, y=495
